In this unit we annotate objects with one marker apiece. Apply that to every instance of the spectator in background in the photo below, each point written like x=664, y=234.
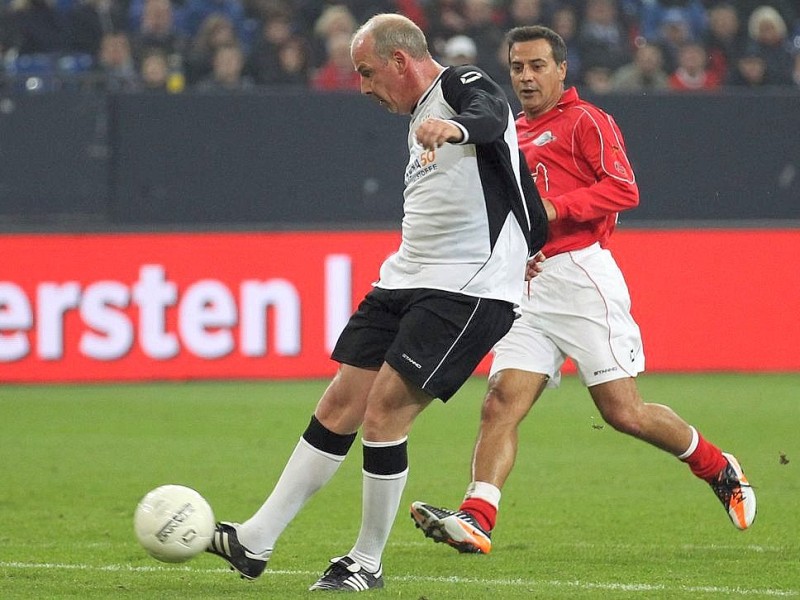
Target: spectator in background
x=293, y=63
x=280, y=56
x=692, y=73
x=335, y=20
x=645, y=73
x=767, y=30
x=197, y=12
x=673, y=33
x=526, y=12
x=154, y=72
x=596, y=80
x=90, y=20
x=749, y=70
x=337, y=74
x=601, y=38
x=796, y=70
x=261, y=10
x=116, y=70
x=36, y=26
x=263, y=63
x=487, y=35
x=724, y=39
x=308, y=11
x=227, y=73
x=217, y=30
x=459, y=50
x=788, y=9
x=565, y=24
x=653, y=15
x=158, y=31
x=445, y=20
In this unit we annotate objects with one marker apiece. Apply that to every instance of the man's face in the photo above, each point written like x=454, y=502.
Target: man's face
x=379, y=79
x=537, y=80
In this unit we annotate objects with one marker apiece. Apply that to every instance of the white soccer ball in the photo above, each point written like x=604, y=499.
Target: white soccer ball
x=173, y=523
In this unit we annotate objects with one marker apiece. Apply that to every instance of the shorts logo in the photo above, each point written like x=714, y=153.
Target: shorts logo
x=608, y=370
x=412, y=361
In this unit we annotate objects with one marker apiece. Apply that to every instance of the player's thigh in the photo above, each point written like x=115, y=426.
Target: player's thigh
x=393, y=404
x=343, y=404
x=617, y=397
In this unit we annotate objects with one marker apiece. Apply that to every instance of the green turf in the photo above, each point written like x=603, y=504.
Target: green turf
x=588, y=512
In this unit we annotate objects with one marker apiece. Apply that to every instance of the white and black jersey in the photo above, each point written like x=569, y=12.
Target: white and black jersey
x=467, y=222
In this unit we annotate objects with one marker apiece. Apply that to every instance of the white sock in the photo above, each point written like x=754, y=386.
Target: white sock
x=692, y=445
x=379, y=503
x=307, y=470
x=485, y=491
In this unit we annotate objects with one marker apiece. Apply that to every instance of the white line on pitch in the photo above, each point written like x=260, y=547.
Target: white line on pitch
x=582, y=585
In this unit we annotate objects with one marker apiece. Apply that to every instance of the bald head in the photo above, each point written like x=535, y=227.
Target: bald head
x=391, y=32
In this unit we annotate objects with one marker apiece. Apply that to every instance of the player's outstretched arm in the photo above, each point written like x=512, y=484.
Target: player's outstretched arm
x=434, y=133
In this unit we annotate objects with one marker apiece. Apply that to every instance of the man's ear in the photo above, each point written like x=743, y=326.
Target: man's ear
x=400, y=61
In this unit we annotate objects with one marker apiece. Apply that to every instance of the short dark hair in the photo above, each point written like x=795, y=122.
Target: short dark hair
x=529, y=33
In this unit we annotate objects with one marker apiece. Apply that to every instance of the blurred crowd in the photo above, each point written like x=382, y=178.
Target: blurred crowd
x=173, y=46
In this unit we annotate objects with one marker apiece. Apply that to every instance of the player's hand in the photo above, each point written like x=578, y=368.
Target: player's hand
x=549, y=209
x=534, y=266
x=434, y=133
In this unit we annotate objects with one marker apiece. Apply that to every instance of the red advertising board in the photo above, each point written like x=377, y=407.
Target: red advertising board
x=715, y=300
x=129, y=307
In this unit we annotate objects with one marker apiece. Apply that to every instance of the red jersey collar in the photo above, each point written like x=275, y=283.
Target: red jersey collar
x=570, y=96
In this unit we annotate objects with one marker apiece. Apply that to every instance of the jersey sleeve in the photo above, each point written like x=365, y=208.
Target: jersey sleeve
x=600, y=144
x=481, y=105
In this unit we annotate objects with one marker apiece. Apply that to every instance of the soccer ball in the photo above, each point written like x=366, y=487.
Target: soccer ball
x=173, y=523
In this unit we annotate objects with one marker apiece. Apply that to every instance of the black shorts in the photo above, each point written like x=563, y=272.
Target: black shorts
x=433, y=338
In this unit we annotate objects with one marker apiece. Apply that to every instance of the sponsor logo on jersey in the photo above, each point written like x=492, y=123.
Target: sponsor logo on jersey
x=421, y=166
x=540, y=177
x=545, y=138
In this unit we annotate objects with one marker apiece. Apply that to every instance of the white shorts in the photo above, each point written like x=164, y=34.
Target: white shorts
x=579, y=307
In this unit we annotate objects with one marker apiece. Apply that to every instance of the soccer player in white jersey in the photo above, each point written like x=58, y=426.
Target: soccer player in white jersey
x=578, y=306
x=472, y=218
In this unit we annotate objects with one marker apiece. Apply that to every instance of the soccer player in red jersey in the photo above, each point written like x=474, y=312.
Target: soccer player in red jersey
x=577, y=307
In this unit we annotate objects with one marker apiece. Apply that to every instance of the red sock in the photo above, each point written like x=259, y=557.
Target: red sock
x=485, y=514
x=706, y=460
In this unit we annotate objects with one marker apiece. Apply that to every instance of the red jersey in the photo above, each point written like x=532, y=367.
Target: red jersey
x=576, y=155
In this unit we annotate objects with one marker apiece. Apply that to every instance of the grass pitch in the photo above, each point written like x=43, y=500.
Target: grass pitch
x=587, y=512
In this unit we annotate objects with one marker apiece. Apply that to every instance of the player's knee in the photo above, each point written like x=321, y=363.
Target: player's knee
x=501, y=406
x=625, y=419
x=381, y=425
